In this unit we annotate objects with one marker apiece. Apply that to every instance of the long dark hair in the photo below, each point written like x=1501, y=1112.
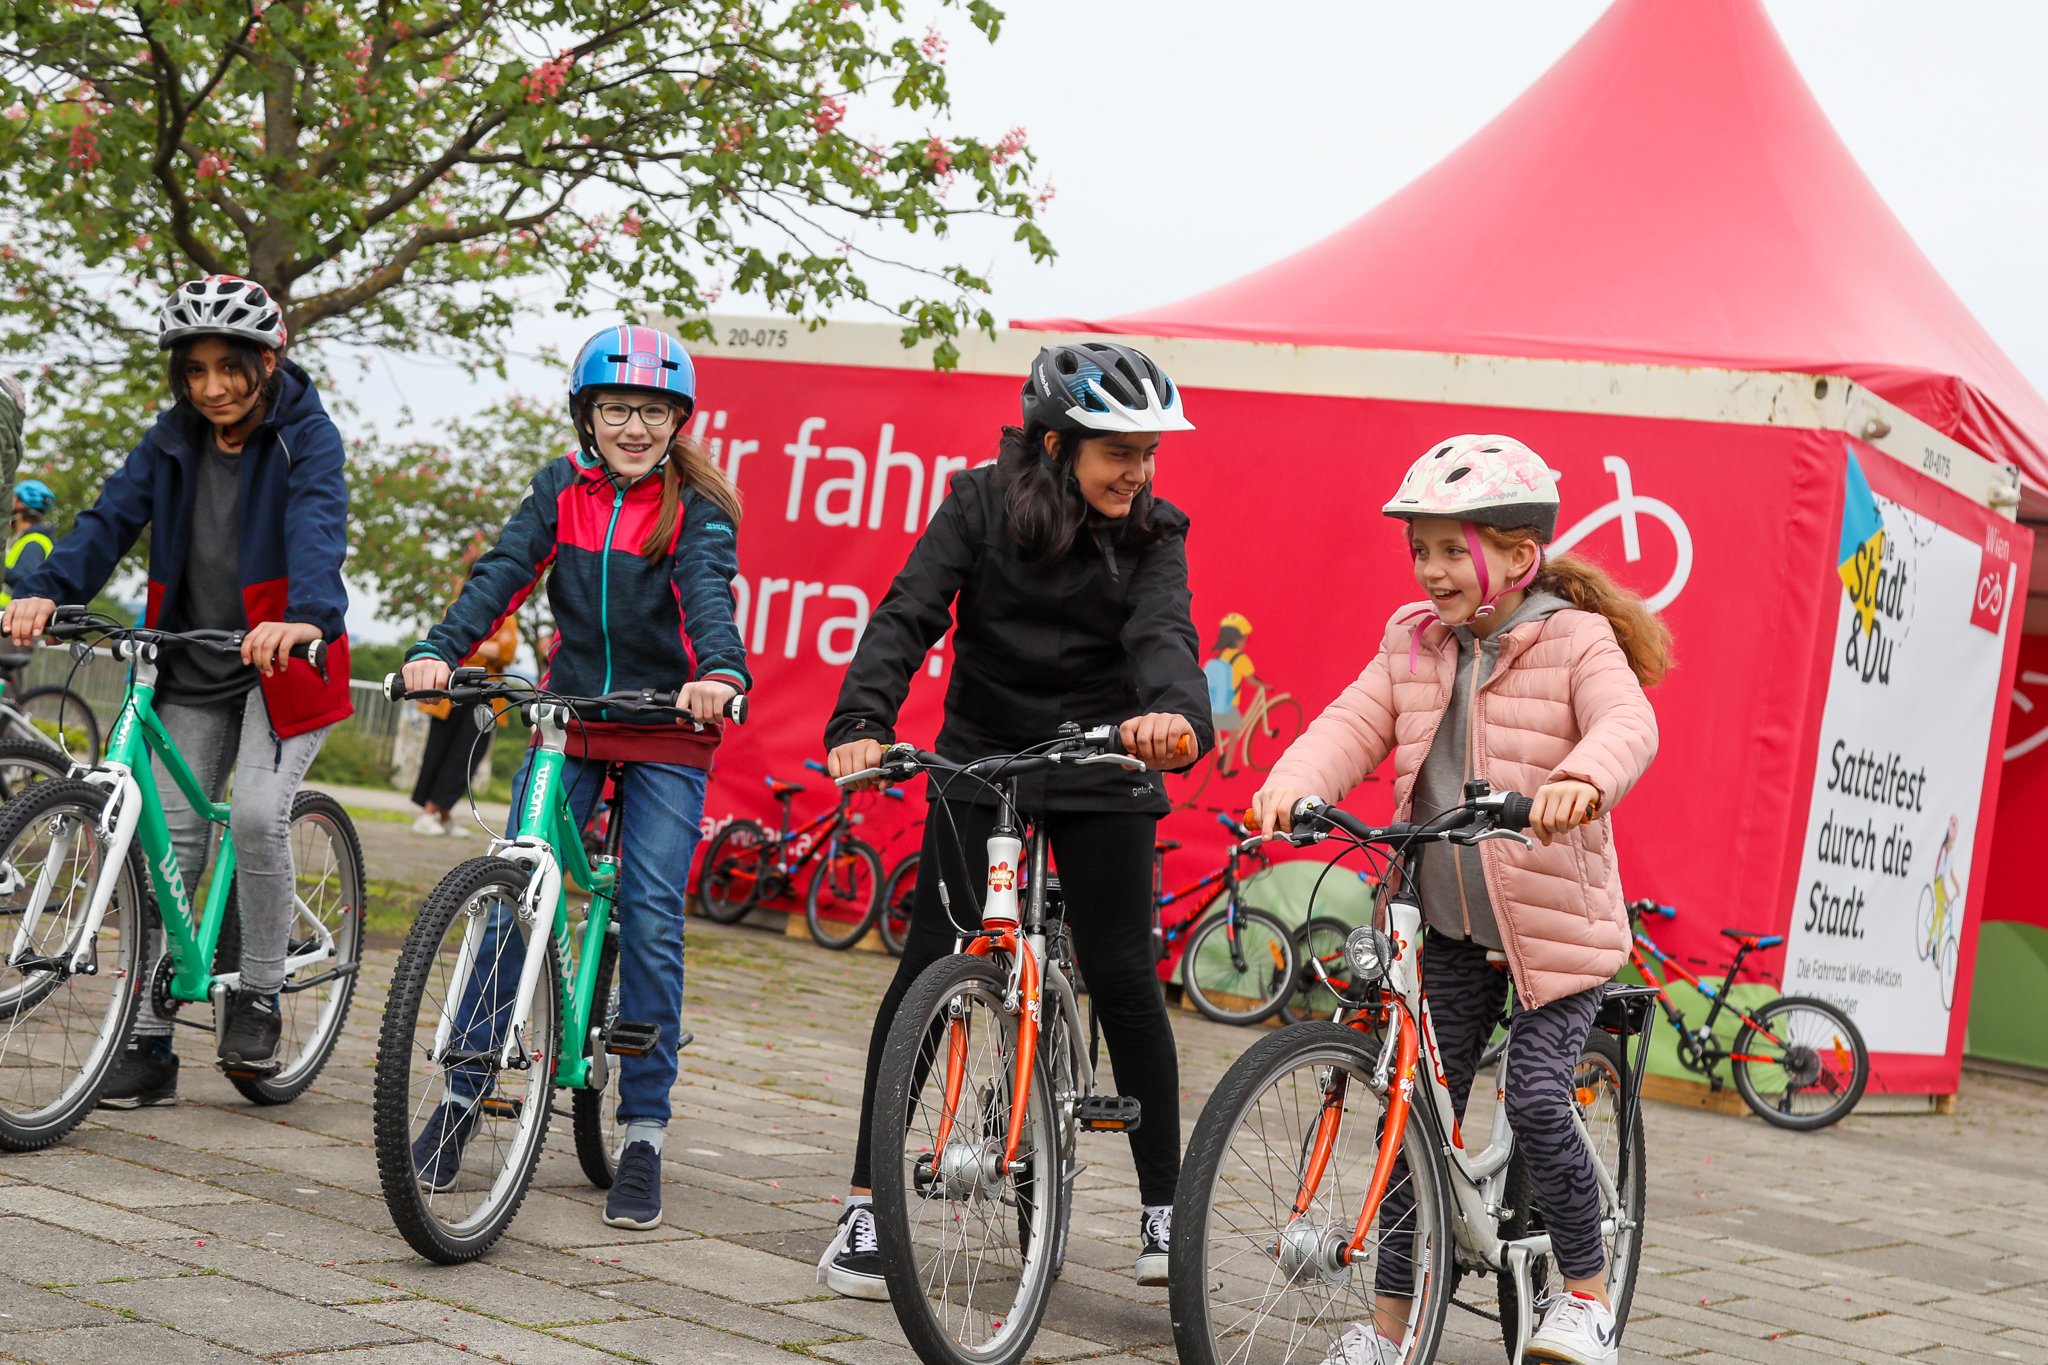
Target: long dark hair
x=1047, y=511
x=247, y=358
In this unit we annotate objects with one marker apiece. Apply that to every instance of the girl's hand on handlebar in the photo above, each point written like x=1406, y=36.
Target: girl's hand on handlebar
x=425, y=674
x=705, y=699
x=1162, y=739
x=268, y=644
x=856, y=756
x=26, y=617
x=1273, y=809
x=1561, y=807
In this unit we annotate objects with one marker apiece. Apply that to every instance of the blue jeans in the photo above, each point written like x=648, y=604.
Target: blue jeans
x=662, y=805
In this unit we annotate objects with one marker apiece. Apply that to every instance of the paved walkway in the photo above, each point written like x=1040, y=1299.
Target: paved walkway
x=216, y=1231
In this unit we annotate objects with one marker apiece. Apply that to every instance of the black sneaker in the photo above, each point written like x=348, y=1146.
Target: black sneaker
x=1155, y=1240
x=852, y=1263
x=250, y=1041
x=437, y=1151
x=144, y=1076
x=635, y=1200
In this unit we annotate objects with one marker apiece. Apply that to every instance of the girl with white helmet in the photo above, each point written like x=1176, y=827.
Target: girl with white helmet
x=1525, y=669
x=240, y=485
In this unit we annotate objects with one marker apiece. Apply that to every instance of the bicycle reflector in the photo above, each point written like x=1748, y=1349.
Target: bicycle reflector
x=1370, y=953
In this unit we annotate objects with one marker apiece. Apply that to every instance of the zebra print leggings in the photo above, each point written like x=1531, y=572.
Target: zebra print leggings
x=1465, y=994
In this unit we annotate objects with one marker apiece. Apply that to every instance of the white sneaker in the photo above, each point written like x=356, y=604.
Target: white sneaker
x=458, y=828
x=852, y=1263
x=429, y=824
x=1575, y=1331
x=1362, y=1344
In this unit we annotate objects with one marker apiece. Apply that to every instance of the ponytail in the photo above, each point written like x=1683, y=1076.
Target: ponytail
x=1644, y=639
x=687, y=466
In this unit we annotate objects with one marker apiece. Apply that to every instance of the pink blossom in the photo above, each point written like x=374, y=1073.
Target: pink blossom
x=85, y=148
x=829, y=113
x=1012, y=143
x=214, y=166
x=871, y=161
x=735, y=133
x=546, y=80
x=1045, y=196
x=7, y=253
x=14, y=111
x=941, y=156
x=933, y=44
x=360, y=53
x=632, y=223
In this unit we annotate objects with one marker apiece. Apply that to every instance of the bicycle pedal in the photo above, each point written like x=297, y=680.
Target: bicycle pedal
x=249, y=1071
x=1107, y=1114
x=499, y=1107
x=630, y=1038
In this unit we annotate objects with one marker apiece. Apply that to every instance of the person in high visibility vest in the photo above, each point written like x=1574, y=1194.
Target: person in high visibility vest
x=31, y=537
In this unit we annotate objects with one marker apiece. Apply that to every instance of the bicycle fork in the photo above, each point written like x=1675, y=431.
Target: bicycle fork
x=116, y=829
x=542, y=894
x=1029, y=993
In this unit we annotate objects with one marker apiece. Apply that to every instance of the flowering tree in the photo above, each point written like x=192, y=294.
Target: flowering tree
x=395, y=171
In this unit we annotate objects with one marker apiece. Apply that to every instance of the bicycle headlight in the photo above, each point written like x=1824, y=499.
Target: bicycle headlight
x=1370, y=953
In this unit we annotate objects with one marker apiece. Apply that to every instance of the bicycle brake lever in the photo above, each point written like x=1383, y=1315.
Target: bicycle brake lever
x=1125, y=761
x=1482, y=836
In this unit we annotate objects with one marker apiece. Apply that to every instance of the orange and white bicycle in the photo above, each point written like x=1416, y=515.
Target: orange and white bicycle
x=1283, y=1214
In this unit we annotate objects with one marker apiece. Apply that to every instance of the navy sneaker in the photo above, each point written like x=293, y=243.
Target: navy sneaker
x=1155, y=1245
x=147, y=1074
x=250, y=1040
x=635, y=1200
x=437, y=1151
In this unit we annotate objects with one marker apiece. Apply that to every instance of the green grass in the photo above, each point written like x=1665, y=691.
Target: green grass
x=390, y=906
x=359, y=814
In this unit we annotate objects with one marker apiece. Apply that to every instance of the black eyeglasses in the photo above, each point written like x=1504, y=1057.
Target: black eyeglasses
x=653, y=416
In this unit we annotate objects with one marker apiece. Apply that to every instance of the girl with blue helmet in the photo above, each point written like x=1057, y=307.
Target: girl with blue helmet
x=636, y=534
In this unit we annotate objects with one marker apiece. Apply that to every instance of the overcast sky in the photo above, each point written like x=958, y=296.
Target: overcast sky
x=1193, y=140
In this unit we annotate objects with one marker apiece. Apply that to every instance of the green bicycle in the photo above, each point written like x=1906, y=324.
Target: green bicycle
x=87, y=873
x=475, y=1041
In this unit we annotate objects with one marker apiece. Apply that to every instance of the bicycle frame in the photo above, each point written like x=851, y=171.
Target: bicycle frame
x=1698, y=1049
x=548, y=842
x=134, y=810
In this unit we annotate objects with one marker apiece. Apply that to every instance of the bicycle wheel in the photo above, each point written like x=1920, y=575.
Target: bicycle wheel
x=65, y=719
x=1602, y=1102
x=1321, y=939
x=967, y=1247
x=23, y=764
x=1239, y=970
x=1269, y=738
x=594, y=1114
x=1923, y=924
x=458, y=1135
x=899, y=898
x=1800, y=1063
x=1945, y=955
x=735, y=861
x=1253, y=1281
x=845, y=894
x=60, y=1032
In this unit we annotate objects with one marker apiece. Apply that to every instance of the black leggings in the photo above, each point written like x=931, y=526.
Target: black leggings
x=1105, y=870
x=1465, y=993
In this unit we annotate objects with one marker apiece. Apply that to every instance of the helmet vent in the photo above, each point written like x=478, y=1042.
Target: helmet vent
x=1456, y=474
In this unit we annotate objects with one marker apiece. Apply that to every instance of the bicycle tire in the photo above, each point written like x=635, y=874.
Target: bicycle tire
x=1212, y=980
x=858, y=861
x=23, y=764
x=1600, y=1070
x=1923, y=925
x=899, y=900
x=901, y=1114
x=1218, y=1180
x=1264, y=743
x=339, y=894
x=63, y=709
x=594, y=1114
x=492, y=884
x=729, y=888
x=1802, y=1062
x=106, y=999
x=1945, y=957
x=1322, y=936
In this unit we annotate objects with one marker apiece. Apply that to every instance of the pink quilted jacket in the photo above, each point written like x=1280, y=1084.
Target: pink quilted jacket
x=1561, y=703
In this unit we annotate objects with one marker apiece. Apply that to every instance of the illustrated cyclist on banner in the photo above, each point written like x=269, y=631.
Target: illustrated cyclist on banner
x=1227, y=672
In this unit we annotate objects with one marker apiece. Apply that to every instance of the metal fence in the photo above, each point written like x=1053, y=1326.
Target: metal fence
x=103, y=682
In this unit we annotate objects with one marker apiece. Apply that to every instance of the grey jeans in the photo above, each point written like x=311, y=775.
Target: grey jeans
x=235, y=739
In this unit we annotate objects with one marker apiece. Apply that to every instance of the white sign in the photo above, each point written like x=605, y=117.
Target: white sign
x=1905, y=736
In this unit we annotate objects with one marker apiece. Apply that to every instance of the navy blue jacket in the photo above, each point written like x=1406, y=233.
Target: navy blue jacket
x=293, y=508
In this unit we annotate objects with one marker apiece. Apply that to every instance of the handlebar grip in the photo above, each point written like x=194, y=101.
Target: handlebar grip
x=1232, y=825
x=394, y=687
x=1185, y=747
x=736, y=712
x=313, y=652
x=816, y=766
x=893, y=793
x=1515, y=810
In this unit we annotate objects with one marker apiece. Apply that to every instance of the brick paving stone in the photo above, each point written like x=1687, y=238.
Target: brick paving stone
x=481, y=1336
x=272, y=1269
x=29, y=1308
x=244, y=1316
x=667, y=1341
x=121, y=1345
x=485, y=1288
x=37, y=1253
x=88, y=1215
x=117, y=1182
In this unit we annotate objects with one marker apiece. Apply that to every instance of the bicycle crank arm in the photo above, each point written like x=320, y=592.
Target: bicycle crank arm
x=346, y=969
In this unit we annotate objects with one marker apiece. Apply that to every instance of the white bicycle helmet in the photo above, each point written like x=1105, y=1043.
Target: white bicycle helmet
x=222, y=306
x=1487, y=480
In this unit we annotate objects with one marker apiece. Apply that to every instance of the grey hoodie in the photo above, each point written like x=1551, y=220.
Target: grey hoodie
x=1453, y=889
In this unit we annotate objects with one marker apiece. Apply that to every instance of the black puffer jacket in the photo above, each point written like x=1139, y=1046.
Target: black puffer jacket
x=1099, y=637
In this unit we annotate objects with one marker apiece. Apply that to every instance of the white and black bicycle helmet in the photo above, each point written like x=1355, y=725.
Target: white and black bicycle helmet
x=1101, y=386
x=222, y=306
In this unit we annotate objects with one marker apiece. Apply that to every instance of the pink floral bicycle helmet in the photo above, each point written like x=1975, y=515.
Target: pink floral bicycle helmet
x=1482, y=481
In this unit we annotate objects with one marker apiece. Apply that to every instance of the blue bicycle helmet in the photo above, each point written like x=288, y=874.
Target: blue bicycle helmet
x=35, y=495
x=627, y=357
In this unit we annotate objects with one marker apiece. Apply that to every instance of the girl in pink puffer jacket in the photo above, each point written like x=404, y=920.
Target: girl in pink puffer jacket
x=1527, y=670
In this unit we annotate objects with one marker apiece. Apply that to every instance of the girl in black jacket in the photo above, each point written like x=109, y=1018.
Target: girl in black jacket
x=1071, y=585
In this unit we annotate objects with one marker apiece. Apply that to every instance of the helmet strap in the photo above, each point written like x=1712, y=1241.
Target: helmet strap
x=1477, y=545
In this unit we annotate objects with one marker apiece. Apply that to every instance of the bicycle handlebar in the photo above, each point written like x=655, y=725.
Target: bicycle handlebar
x=470, y=685
x=1484, y=816
x=1650, y=907
x=75, y=623
x=1103, y=744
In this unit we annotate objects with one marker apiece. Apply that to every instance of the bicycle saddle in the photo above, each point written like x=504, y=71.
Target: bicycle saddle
x=12, y=660
x=1754, y=940
x=783, y=790
x=1165, y=845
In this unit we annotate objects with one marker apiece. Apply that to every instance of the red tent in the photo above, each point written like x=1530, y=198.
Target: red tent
x=1669, y=192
